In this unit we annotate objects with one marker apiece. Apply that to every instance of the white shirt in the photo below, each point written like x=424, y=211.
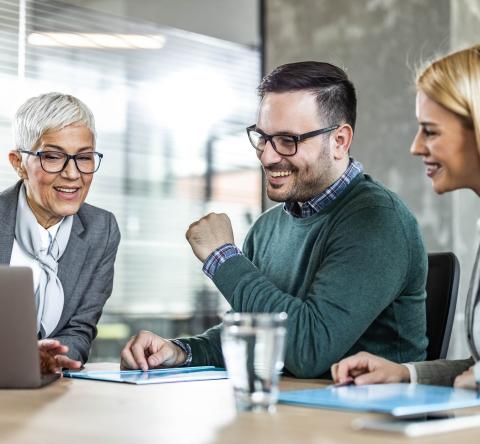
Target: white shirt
x=476, y=372
x=413, y=373
x=20, y=258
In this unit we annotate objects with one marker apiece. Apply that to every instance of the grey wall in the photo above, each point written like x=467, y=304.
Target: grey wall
x=235, y=21
x=379, y=42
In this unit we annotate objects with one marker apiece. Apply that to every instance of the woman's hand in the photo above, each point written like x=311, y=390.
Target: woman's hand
x=466, y=380
x=52, y=357
x=364, y=368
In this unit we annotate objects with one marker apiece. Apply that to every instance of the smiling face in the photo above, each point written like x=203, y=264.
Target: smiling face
x=52, y=196
x=318, y=162
x=447, y=146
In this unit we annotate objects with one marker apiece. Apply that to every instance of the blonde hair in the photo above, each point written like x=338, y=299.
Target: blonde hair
x=453, y=81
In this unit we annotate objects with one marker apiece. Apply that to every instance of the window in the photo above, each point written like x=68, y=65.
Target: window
x=171, y=109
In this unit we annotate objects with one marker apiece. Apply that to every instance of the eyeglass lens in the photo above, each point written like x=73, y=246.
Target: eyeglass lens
x=53, y=161
x=285, y=145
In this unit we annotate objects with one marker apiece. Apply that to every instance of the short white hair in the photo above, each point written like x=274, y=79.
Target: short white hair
x=49, y=112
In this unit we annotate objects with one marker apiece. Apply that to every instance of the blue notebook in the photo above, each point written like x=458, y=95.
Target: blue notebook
x=395, y=399
x=158, y=376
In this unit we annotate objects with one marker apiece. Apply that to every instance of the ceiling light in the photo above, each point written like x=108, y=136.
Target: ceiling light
x=96, y=40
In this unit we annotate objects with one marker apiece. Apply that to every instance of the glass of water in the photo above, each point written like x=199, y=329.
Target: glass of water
x=253, y=346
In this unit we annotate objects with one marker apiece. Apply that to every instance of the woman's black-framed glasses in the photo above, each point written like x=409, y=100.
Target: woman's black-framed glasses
x=283, y=144
x=87, y=162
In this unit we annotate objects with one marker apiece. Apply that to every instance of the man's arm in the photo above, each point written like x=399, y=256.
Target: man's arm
x=206, y=347
x=353, y=285
x=146, y=350
x=81, y=329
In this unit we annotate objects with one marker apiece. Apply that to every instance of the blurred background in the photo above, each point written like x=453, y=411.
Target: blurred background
x=172, y=85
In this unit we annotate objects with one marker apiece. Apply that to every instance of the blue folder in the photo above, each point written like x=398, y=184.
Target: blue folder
x=394, y=399
x=158, y=376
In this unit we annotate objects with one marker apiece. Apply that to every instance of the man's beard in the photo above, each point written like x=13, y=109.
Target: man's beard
x=300, y=191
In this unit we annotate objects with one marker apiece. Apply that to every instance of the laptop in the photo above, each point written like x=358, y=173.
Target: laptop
x=20, y=367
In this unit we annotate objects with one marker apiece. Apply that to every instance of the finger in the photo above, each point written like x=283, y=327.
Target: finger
x=192, y=225
x=164, y=355
x=124, y=365
x=465, y=380
x=334, y=371
x=66, y=362
x=127, y=361
x=138, y=348
x=60, y=350
x=458, y=383
x=354, y=372
x=48, y=344
x=346, y=366
x=375, y=377
x=47, y=363
x=53, y=368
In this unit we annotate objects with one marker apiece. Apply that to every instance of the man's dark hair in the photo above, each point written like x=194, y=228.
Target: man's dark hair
x=334, y=92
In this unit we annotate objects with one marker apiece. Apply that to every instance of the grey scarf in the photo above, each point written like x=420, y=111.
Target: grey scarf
x=49, y=296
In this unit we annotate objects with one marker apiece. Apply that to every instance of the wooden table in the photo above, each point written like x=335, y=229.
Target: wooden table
x=76, y=411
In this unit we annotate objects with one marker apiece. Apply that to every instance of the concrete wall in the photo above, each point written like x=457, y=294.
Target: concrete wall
x=379, y=42
x=235, y=21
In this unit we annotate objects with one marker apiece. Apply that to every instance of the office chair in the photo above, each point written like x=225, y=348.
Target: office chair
x=442, y=289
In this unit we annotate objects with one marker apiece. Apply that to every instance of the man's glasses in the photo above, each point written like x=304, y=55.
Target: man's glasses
x=283, y=144
x=56, y=161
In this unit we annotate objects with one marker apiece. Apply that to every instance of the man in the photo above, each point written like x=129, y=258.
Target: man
x=343, y=256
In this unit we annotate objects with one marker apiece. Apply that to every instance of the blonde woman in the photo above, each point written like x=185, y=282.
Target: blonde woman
x=448, y=141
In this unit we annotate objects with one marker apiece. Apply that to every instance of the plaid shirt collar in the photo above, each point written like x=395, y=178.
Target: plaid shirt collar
x=319, y=202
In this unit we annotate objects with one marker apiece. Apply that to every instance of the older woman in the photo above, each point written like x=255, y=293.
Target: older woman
x=448, y=140
x=69, y=245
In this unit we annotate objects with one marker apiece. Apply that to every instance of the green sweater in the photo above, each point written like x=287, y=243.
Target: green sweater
x=351, y=278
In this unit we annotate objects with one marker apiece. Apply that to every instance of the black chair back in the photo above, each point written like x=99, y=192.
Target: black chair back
x=442, y=289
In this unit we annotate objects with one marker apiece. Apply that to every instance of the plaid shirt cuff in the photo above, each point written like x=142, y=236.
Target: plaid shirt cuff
x=186, y=348
x=218, y=257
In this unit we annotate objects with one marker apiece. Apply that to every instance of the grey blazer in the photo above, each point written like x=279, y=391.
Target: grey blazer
x=441, y=371
x=85, y=269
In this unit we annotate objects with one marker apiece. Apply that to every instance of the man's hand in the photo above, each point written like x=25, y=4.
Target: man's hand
x=466, y=380
x=52, y=357
x=209, y=233
x=147, y=350
x=364, y=368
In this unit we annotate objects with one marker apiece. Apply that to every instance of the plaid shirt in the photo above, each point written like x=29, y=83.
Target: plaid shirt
x=309, y=208
x=318, y=203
